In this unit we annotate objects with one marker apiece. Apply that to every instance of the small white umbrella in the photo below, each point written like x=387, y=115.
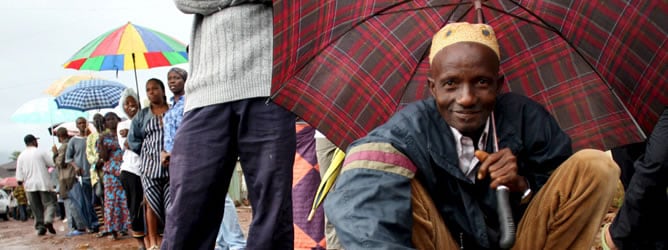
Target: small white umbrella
x=44, y=111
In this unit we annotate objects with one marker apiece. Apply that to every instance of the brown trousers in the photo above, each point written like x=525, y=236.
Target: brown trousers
x=565, y=214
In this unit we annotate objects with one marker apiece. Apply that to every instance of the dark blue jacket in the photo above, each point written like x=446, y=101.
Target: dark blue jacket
x=371, y=209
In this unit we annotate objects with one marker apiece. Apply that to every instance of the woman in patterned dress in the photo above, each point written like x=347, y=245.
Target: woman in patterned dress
x=116, y=215
x=146, y=139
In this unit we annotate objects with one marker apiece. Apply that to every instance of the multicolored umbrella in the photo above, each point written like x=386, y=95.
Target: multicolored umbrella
x=61, y=84
x=129, y=47
x=44, y=111
x=598, y=66
x=71, y=127
x=91, y=94
x=9, y=182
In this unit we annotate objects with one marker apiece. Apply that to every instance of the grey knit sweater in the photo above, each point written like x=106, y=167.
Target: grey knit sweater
x=230, y=51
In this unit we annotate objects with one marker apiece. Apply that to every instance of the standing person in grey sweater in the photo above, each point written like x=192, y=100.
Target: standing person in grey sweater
x=228, y=115
x=76, y=157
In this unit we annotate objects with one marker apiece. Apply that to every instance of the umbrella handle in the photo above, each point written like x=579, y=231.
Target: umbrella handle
x=505, y=218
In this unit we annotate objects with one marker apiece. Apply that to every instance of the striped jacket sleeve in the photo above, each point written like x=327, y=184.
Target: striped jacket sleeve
x=370, y=205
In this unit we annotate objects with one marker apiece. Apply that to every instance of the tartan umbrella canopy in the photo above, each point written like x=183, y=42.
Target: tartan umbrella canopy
x=346, y=66
x=91, y=94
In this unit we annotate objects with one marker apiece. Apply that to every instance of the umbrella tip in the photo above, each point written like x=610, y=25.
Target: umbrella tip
x=311, y=214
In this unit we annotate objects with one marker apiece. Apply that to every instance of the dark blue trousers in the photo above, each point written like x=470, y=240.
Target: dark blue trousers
x=206, y=147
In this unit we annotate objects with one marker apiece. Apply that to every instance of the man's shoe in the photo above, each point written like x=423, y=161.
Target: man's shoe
x=74, y=233
x=41, y=231
x=49, y=226
x=93, y=230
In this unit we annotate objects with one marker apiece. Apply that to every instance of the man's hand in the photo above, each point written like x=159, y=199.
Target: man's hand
x=502, y=169
x=77, y=169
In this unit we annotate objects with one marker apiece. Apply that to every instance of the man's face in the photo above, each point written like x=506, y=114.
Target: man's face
x=82, y=124
x=464, y=82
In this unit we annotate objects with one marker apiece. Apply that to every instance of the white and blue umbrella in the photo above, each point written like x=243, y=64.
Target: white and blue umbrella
x=90, y=95
x=44, y=111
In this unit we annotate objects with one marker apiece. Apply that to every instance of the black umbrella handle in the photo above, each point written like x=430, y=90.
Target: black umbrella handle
x=505, y=218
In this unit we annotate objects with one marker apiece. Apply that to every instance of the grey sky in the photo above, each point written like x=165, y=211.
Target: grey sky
x=37, y=37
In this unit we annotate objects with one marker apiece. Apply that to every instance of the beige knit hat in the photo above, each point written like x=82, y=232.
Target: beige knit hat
x=463, y=32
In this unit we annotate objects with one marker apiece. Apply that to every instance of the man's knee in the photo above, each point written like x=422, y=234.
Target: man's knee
x=598, y=163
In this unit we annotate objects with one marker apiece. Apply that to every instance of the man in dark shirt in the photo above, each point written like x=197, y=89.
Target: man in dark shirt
x=641, y=221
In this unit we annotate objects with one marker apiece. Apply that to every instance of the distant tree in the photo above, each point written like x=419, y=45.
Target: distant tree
x=15, y=155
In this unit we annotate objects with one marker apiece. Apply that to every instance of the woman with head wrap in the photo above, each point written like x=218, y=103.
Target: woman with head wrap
x=130, y=174
x=146, y=139
x=115, y=199
x=176, y=79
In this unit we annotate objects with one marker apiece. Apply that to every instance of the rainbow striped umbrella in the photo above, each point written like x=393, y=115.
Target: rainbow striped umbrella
x=129, y=47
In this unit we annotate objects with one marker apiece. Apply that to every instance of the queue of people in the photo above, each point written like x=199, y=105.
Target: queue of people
x=123, y=161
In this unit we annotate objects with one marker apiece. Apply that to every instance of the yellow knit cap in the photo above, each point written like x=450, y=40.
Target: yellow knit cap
x=464, y=32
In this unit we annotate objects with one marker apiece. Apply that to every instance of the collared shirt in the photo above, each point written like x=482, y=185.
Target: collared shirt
x=77, y=152
x=20, y=195
x=465, y=149
x=32, y=168
x=171, y=122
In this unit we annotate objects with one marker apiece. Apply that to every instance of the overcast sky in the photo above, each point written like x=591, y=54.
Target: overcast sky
x=37, y=37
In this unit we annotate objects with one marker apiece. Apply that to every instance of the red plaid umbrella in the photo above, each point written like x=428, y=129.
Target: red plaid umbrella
x=598, y=66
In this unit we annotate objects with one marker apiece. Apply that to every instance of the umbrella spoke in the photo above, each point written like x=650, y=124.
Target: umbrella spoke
x=130, y=44
x=586, y=62
x=91, y=95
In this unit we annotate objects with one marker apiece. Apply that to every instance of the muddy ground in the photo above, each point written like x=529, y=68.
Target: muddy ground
x=21, y=235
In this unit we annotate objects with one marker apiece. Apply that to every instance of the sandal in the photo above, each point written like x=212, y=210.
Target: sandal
x=101, y=234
